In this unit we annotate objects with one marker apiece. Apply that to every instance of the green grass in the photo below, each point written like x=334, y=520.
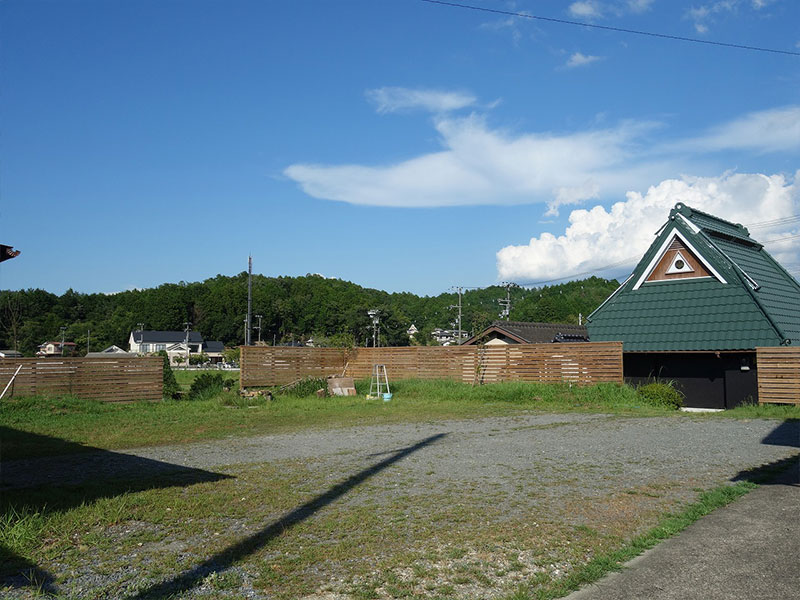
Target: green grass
x=185, y=377
x=763, y=411
x=42, y=426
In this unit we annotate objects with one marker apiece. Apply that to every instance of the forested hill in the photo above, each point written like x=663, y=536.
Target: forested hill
x=292, y=308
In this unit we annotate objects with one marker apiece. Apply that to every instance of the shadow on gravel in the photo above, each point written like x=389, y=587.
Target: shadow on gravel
x=222, y=560
x=785, y=434
x=23, y=573
x=779, y=472
x=58, y=483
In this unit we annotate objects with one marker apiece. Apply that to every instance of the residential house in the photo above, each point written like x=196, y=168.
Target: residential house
x=447, y=337
x=523, y=332
x=174, y=343
x=110, y=352
x=702, y=298
x=56, y=349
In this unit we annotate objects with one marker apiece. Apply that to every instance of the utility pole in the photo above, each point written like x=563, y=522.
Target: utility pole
x=259, y=328
x=375, y=315
x=88, y=333
x=460, y=290
x=63, y=334
x=248, y=331
x=188, y=326
x=506, y=302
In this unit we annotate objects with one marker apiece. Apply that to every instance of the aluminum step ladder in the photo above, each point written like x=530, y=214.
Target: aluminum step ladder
x=379, y=384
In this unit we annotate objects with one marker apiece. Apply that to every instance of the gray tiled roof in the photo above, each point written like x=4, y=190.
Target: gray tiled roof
x=166, y=337
x=532, y=333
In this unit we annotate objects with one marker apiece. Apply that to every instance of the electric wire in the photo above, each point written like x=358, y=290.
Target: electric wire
x=610, y=28
x=774, y=222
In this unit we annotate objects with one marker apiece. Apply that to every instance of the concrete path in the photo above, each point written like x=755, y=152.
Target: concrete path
x=747, y=550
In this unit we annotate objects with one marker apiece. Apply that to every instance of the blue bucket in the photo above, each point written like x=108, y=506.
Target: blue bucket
x=387, y=397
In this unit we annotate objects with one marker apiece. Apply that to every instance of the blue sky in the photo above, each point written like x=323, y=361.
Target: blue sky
x=398, y=144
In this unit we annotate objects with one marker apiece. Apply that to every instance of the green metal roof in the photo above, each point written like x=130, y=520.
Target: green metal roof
x=758, y=304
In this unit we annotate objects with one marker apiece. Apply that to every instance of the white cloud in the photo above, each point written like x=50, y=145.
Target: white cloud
x=703, y=14
x=480, y=165
x=588, y=9
x=393, y=99
x=579, y=60
x=764, y=131
x=599, y=237
x=639, y=6
x=593, y=9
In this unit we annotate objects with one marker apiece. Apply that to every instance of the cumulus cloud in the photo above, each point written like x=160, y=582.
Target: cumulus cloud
x=394, y=99
x=579, y=60
x=598, y=237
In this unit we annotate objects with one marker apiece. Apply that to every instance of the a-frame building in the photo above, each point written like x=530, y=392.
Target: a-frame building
x=702, y=298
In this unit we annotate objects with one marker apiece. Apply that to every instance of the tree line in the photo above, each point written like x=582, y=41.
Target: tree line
x=332, y=311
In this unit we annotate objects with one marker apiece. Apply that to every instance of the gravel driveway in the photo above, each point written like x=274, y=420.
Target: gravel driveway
x=559, y=468
x=648, y=448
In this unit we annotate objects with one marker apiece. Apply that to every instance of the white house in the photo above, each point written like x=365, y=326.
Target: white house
x=174, y=343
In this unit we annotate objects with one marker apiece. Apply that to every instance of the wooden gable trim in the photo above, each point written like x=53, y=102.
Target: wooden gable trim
x=693, y=266
x=663, y=249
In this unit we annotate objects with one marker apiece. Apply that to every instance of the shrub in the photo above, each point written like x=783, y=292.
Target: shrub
x=171, y=387
x=661, y=394
x=207, y=385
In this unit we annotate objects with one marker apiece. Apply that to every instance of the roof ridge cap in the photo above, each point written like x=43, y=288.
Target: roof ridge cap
x=687, y=211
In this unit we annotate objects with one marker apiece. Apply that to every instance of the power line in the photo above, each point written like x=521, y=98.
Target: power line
x=780, y=239
x=609, y=28
x=774, y=222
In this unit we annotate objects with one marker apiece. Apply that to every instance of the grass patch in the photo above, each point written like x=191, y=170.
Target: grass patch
x=185, y=377
x=47, y=426
x=763, y=411
x=606, y=562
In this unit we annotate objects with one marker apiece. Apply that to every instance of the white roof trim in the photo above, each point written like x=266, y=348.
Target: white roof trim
x=660, y=254
x=692, y=226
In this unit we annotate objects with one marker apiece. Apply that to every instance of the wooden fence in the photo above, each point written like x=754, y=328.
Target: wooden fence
x=580, y=363
x=778, y=375
x=111, y=379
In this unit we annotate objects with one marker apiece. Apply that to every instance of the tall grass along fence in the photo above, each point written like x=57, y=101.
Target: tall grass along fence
x=579, y=363
x=778, y=375
x=111, y=379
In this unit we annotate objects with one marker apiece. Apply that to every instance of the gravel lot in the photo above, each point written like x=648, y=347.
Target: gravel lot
x=564, y=471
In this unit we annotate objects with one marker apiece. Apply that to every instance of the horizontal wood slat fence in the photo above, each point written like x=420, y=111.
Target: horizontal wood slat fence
x=579, y=363
x=778, y=375
x=109, y=379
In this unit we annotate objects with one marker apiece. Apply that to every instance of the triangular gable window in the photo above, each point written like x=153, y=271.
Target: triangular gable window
x=679, y=264
x=677, y=259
